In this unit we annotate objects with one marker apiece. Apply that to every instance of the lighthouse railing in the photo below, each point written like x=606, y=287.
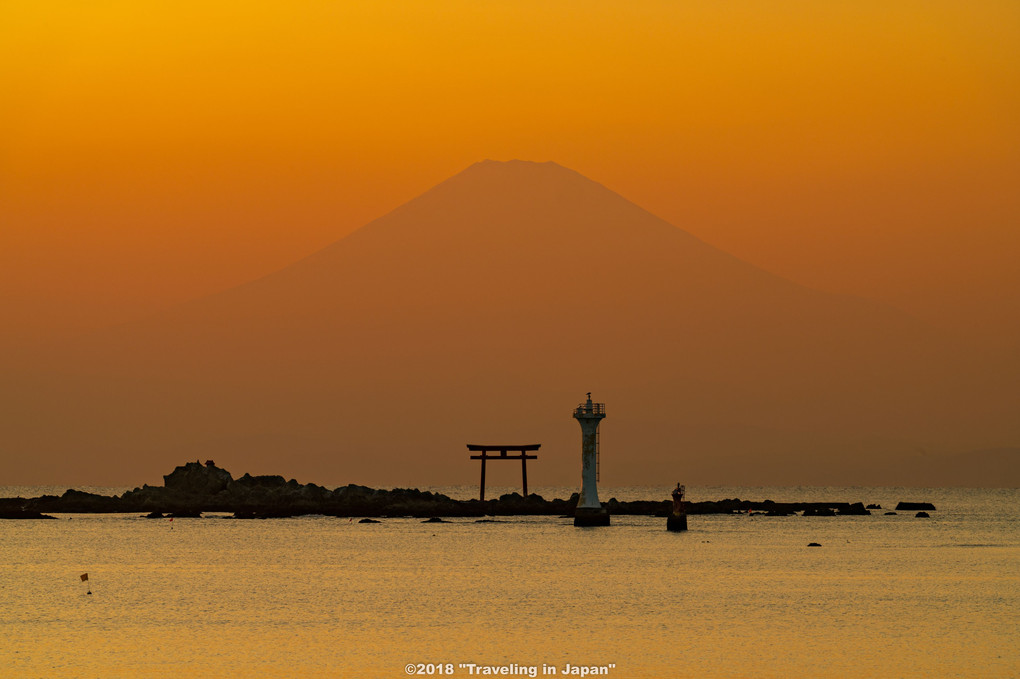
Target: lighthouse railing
x=593, y=409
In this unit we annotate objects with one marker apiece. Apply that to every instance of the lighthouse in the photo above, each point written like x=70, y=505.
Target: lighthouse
x=590, y=511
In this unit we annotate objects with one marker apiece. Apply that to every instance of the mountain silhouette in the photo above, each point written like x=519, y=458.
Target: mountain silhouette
x=482, y=311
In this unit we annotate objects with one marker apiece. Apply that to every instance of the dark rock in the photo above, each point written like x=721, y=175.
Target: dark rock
x=197, y=479
x=353, y=490
x=369, y=521
x=154, y=515
x=874, y=506
x=911, y=506
x=263, y=481
x=890, y=513
x=147, y=497
x=813, y=544
x=856, y=509
x=819, y=511
x=922, y=515
x=185, y=514
x=75, y=501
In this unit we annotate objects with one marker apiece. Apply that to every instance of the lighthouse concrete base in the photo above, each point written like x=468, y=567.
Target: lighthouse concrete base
x=676, y=522
x=591, y=516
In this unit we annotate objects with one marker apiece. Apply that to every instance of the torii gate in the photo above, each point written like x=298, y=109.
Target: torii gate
x=523, y=457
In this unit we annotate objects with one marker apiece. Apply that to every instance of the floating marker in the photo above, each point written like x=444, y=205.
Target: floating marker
x=85, y=579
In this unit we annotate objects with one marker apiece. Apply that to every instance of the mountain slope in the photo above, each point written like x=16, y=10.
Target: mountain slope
x=481, y=311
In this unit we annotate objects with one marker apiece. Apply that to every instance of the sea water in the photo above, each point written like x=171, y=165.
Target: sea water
x=735, y=596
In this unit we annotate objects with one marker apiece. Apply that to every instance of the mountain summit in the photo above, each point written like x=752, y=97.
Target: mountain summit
x=481, y=311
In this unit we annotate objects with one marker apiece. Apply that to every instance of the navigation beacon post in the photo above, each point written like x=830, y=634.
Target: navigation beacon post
x=590, y=511
x=677, y=520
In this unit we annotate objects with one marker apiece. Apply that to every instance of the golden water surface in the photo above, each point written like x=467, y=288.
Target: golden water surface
x=736, y=596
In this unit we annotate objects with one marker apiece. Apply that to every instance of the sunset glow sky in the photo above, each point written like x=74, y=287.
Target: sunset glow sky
x=155, y=152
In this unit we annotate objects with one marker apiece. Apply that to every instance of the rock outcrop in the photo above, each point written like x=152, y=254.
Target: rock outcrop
x=855, y=509
x=194, y=488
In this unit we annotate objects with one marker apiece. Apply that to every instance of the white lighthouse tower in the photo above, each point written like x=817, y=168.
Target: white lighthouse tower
x=590, y=511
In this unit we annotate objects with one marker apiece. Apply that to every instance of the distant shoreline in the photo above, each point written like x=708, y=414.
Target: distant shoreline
x=195, y=488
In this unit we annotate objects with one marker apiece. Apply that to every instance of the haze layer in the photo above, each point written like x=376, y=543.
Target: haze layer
x=481, y=312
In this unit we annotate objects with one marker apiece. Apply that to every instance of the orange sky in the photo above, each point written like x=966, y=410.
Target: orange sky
x=154, y=152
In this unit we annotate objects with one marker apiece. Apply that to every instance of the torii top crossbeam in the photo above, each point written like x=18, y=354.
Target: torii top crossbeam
x=503, y=449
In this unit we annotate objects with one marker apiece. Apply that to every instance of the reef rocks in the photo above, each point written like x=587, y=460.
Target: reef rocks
x=75, y=501
x=855, y=509
x=193, y=488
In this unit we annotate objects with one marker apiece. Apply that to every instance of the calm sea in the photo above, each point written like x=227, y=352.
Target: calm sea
x=735, y=596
